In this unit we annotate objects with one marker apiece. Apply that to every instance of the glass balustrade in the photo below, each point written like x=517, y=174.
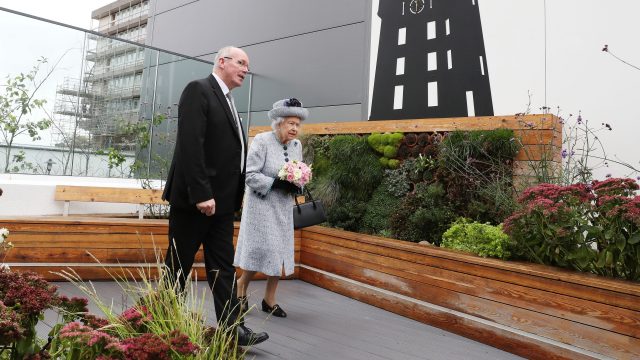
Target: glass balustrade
x=76, y=102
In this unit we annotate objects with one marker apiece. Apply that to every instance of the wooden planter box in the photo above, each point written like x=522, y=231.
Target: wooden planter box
x=527, y=309
x=96, y=248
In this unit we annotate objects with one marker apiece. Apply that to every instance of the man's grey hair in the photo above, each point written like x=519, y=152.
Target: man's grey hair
x=223, y=52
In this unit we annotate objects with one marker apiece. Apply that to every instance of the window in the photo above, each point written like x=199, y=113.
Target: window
x=471, y=111
x=400, y=66
x=432, y=61
x=449, y=61
x=447, y=30
x=397, y=97
x=432, y=94
x=481, y=65
x=402, y=36
x=431, y=30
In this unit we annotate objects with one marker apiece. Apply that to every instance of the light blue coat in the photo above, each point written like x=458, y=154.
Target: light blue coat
x=265, y=241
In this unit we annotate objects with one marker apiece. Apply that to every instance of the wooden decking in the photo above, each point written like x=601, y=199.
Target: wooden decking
x=324, y=325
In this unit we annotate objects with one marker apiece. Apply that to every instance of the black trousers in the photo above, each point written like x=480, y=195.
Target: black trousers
x=188, y=229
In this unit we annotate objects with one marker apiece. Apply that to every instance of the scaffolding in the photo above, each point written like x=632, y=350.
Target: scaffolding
x=106, y=98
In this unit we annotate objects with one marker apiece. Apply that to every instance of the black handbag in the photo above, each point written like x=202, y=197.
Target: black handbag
x=308, y=213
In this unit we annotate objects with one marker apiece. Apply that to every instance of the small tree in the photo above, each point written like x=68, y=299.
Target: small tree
x=17, y=104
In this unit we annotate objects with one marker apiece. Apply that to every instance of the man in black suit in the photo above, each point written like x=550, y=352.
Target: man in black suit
x=205, y=185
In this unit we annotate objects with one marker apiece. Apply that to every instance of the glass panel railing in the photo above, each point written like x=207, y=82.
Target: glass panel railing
x=76, y=102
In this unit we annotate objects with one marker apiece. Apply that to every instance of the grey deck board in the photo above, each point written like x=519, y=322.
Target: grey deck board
x=325, y=325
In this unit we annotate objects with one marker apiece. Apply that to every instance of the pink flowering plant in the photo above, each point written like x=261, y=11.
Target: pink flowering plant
x=296, y=172
x=589, y=227
x=162, y=323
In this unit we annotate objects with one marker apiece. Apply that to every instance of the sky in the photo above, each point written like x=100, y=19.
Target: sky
x=20, y=48
x=72, y=12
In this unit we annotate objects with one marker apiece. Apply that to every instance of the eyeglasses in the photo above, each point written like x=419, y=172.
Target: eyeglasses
x=241, y=63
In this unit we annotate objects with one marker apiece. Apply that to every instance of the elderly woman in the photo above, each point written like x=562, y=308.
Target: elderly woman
x=265, y=242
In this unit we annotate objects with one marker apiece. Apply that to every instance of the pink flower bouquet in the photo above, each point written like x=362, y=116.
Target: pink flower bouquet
x=295, y=172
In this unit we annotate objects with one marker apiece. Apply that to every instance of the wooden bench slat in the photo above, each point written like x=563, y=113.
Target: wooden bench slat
x=108, y=194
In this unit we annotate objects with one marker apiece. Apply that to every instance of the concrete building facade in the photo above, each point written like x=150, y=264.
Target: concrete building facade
x=316, y=51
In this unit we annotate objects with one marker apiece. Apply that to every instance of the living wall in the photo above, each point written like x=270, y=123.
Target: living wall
x=412, y=186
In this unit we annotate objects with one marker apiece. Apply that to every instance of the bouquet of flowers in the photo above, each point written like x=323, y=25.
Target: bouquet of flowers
x=295, y=172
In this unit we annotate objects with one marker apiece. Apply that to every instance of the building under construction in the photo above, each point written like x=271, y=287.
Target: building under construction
x=98, y=108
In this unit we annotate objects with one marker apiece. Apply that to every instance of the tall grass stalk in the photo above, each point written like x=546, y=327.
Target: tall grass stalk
x=170, y=308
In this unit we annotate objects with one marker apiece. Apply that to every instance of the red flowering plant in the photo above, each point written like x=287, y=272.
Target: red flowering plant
x=79, y=341
x=24, y=297
x=594, y=228
x=136, y=318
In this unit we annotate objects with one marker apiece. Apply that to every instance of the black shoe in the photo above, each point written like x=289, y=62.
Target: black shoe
x=244, y=304
x=275, y=310
x=246, y=337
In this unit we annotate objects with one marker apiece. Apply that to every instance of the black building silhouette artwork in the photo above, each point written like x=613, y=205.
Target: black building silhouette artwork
x=431, y=61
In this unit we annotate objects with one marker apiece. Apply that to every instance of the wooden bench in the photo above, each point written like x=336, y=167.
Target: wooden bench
x=141, y=197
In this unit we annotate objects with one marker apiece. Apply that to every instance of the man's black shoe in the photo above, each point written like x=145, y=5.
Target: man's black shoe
x=246, y=337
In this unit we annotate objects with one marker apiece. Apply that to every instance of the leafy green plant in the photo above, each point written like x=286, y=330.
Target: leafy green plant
x=476, y=168
x=397, y=181
x=347, y=214
x=17, y=104
x=353, y=167
x=424, y=214
x=485, y=240
x=387, y=145
x=379, y=209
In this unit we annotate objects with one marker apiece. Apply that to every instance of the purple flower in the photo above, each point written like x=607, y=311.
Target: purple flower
x=579, y=121
x=564, y=153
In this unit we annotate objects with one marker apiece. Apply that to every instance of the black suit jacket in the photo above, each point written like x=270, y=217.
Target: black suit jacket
x=206, y=159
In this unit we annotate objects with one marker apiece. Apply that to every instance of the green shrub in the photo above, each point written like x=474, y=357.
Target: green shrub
x=354, y=167
x=315, y=150
x=347, y=214
x=481, y=239
x=390, y=152
x=424, y=214
x=396, y=181
x=386, y=144
x=379, y=209
x=476, y=169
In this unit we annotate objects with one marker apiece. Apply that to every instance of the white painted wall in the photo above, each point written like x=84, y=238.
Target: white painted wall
x=34, y=195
